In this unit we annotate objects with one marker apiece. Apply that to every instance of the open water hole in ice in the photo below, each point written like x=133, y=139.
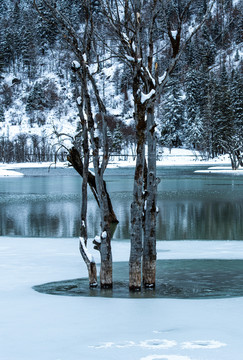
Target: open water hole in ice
x=183, y=279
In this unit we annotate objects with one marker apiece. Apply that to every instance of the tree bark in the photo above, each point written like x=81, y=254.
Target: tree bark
x=105, y=237
x=75, y=159
x=88, y=259
x=137, y=206
x=149, y=245
x=90, y=263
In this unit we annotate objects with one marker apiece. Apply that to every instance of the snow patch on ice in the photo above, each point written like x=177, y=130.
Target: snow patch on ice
x=165, y=357
x=158, y=344
x=126, y=344
x=220, y=171
x=202, y=344
x=105, y=345
x=5, y=172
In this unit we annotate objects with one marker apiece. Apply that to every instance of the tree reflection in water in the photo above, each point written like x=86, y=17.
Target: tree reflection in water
x=191, y=206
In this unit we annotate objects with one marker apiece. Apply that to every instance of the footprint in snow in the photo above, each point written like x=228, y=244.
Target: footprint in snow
x=202, y=344
x=165, y=357
x=158, y=344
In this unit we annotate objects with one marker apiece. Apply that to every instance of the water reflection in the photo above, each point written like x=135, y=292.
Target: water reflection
x=192, y=206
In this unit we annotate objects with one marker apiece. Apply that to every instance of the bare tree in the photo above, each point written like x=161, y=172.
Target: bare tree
x=82, y=47
x=134, y=25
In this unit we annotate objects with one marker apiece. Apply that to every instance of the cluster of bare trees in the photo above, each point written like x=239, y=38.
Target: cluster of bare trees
x=131, y=31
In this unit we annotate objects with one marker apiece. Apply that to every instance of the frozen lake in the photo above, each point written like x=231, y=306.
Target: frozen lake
x=39, y=326
x=192, y=205
x=201, y=213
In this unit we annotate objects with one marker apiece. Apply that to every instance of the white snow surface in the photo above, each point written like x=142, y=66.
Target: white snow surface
x=168, y=157
x=39, y=326
x=5, y=172
x=218, y=170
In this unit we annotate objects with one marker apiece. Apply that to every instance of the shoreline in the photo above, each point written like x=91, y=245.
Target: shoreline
x=175, y=157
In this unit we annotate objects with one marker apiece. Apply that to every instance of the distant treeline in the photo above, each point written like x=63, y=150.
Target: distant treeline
x=24, y=149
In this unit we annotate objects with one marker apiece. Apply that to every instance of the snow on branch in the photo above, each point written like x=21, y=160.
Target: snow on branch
x=104, y=235
x=174, y=33
x=161, y=78
x=79, y=100
x=84, y=251
x=151, y=77
x=129, y=58
x=75, y=65
x=146, y=97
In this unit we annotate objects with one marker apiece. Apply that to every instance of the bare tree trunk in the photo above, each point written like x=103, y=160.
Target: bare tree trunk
x=88, y=259
x=105, y=237
x=90, y=263
x=149, y=246
x=106, y=281
x=137, y=206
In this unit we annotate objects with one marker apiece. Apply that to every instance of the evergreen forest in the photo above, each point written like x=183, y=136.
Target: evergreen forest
x=200, y=107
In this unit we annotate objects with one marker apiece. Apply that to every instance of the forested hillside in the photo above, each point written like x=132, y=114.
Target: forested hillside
x=200, y=108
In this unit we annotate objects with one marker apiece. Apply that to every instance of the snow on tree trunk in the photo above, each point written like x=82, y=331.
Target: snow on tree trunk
x=105, y=244
x=99, y=168
x=88, y=259
x=90, y=263
x=149, y=245
x=106, y=261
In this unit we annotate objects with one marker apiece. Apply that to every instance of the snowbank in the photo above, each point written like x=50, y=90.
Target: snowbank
x=168, y=157
x=5, y=172
x=7, y=169
x=173, y=157
x=221, y=170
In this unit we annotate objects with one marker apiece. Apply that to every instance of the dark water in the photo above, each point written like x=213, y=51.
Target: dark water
x=182, y=279
x=192, y=206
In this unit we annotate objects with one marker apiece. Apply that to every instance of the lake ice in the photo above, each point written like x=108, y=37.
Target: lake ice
x=39, y=326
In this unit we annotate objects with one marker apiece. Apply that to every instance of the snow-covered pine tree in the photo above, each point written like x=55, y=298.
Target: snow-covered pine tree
x=193, y=124
x=2, y=116
x=172, y=117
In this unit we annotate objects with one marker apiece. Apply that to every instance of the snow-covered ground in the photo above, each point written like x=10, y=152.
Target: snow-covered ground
x=9, y=169
x=46, y=327
x=223, y=170
x=7, y=172
x=173, y=157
